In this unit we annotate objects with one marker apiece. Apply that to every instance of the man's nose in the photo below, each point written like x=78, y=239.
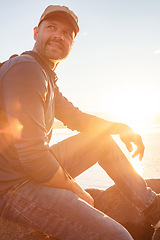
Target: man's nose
x=59, y=35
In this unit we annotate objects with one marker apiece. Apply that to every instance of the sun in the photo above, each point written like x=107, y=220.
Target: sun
x=134, y=106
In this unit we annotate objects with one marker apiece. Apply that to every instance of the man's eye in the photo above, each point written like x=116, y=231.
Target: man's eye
x=51, y=27
x=68, y=34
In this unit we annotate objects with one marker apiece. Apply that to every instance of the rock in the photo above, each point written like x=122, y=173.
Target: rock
x=13, y=231
x=111, y=202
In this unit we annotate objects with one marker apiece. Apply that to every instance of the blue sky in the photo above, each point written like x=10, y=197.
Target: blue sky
x=114, y=65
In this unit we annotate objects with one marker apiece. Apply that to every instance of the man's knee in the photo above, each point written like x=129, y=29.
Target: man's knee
x=117, y=232
x=123, y=235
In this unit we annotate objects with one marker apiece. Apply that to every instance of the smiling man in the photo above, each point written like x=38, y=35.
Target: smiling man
x=37, y=185
x=54, y=38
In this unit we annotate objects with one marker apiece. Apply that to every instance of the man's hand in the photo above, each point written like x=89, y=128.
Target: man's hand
x=128, y=137
x=60, y=180
x=86, y=197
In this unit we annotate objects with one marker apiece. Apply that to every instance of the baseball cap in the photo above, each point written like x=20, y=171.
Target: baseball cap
x=56, y=10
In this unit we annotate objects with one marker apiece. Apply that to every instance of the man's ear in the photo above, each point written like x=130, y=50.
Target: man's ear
x=35, y=33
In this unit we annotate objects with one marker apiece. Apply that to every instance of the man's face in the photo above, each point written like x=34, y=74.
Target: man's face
x=54, y=39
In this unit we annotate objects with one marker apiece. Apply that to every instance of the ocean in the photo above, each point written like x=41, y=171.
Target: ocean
x=149, y=167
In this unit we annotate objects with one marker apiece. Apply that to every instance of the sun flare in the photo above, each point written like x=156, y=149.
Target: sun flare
x=138, y=165
x=134, y=106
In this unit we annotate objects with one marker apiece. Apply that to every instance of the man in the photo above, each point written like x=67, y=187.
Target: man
x=37, y=183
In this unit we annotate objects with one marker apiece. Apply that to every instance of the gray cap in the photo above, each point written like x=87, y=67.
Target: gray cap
x=56, y=10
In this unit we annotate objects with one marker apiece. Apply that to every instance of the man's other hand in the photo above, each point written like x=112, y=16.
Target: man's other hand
x=128, y=136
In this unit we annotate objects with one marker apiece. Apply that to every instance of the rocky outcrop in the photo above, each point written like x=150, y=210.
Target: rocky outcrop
x=111, y=202
x=13, y=231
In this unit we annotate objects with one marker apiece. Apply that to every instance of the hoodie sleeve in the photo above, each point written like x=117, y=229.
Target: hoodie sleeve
x=75, y=119
x=24, y=90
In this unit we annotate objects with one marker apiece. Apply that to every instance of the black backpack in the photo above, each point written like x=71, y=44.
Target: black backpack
x=14, y=55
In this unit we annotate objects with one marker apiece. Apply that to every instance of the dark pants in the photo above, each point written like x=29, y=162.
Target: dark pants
x=61, y=212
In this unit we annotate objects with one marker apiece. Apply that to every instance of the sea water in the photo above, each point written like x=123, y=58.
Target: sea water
x=149, y=167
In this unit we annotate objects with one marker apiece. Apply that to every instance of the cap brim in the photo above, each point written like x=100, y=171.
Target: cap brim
x=63, y=15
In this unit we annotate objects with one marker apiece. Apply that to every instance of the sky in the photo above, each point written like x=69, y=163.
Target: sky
x=114, y=65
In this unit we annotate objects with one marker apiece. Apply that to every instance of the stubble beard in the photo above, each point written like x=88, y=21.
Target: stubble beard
x=55, y=50
x=49, y=54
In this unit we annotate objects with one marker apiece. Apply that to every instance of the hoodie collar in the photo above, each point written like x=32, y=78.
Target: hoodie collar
x=51, y=73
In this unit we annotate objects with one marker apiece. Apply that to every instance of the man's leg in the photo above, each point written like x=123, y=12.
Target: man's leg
x=80, y=152
x=58, y=212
